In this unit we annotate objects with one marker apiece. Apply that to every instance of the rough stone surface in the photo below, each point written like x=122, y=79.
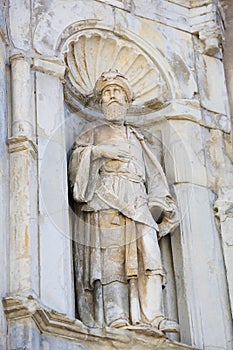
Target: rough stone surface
x=187, y=125
x=3, y=181
x=26, y=317
x=202, y=237
x=55, y=245
x=212, y=85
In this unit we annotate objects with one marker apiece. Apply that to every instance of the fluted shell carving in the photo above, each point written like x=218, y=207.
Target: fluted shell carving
x=93, y=53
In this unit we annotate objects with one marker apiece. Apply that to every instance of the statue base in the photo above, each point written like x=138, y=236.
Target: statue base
x=33, y=326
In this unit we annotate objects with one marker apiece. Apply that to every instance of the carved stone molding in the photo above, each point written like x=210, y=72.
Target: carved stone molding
x=180, y=109
x=93, y=52
x=49, y=65
x=56, y=324
x=22, y=143
x=127, y=5
x=198, y=3
x=205, y=21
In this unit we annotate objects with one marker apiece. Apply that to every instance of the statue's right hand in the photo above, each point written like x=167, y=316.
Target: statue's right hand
x=120, y=152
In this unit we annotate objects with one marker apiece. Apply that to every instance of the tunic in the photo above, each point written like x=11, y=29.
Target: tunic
x=115, y=234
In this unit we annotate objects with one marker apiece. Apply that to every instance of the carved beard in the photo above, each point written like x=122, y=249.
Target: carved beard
x=115, y=112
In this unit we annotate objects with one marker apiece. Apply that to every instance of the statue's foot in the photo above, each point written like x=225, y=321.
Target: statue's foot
x=166, y=325
x=121, y=322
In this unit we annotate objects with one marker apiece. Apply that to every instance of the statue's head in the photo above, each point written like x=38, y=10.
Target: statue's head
x=114, y=93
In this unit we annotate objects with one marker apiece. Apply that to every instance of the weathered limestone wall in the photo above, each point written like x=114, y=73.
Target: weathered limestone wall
x=188, y=126
x=3, y=175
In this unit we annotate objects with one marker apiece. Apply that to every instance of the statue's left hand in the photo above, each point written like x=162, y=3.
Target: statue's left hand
x=112, y=151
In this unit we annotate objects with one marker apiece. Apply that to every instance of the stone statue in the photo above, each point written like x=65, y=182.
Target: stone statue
x=120, y=191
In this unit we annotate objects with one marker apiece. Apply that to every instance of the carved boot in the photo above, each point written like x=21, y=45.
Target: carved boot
x=150, y=292
x=166, y=325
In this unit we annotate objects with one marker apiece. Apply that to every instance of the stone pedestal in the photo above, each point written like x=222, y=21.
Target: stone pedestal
x=36, y=327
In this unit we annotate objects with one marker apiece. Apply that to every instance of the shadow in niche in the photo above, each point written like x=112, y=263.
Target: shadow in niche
x=72, y=223
x=170, y=303
x=71, y=215
x=80, y=302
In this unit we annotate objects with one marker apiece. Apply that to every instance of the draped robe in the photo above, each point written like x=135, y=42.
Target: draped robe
x=115, y=234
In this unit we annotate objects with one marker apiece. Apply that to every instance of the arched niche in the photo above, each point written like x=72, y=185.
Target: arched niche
x=70, y=31
x=66, y=23
x=90, y=51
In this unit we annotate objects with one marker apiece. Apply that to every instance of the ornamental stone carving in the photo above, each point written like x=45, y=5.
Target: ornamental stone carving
x=93, y=52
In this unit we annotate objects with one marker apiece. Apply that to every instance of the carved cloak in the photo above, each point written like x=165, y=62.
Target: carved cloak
x=84, y=173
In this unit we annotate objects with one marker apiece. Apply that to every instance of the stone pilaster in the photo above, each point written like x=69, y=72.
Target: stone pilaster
x=56, y=281
x=24, y=269
x=21, y=84
x=198, y=252
x=196, y=247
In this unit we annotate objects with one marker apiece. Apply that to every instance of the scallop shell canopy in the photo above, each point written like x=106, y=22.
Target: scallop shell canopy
x=89, y=55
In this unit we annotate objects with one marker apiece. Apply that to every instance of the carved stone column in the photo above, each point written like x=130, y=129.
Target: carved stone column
x=22, y=120
x=23, y=183
x=23, y=227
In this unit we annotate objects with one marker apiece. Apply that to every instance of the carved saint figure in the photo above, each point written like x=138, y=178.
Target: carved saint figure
x=120, y=191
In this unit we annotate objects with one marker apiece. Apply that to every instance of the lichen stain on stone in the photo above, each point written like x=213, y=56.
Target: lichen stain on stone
x=26, y=241
x=27, y=5
x=40, y=97
x=26, y=244
x=205, y=81
x=180, y=68
x=145, y=30
x=228, y=147
x=23, y=247
x=220, y=160
x=46, y=41
x=51, y=14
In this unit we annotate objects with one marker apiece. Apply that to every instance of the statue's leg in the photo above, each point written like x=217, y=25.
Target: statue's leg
x=135, y=312
x=115, y=285
x=81, y=250
x=150, y=274
x=150, y=295
x=150, y=281
x=98, y=303
x=116, y=305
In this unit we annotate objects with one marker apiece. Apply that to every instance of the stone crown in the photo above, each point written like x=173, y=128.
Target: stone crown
x=113, y=77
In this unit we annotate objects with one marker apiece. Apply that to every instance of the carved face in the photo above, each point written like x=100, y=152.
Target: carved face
x=114, y=103
x=113, y=93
